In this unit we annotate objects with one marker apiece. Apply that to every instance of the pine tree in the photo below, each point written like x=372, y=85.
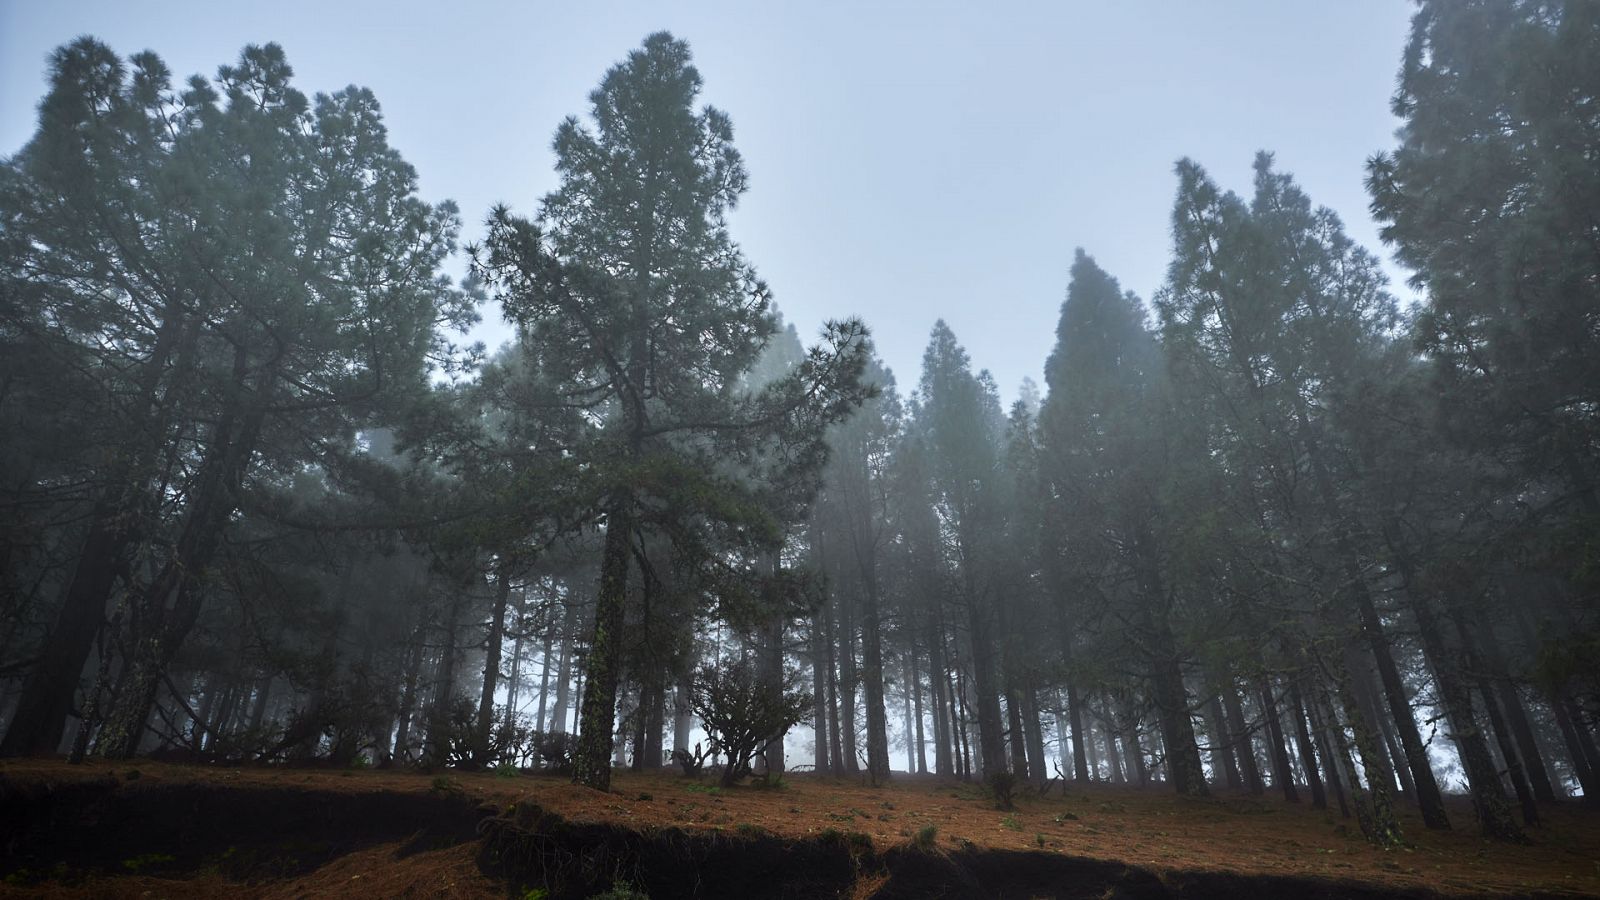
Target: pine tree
x=250, y=274
x=646, y=315
x=1108, y=459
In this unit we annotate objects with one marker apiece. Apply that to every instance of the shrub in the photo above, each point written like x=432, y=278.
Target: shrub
x=1004, y=786
x=554, y=749
x=743, y=711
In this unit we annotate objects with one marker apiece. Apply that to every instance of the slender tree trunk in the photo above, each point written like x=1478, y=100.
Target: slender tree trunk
x=771, y=668
x=1279, y=755
x=563, y=673
x=1113, y=758
x=1581, y=763
x=1222, y=760
x=435, y=744
x=1133, y=748
x=1066, y=763
x=1308, y=759
x=914, y=678
x=683, y=712
x=961, y=718
x=991, y=742
x=483, y=733
x=1360, y=684
x=1502, y=731
x=1332, y=768
x=1033, y=731
x=1488, y=796
x=939, y=679
x=1429, y=800
x=905, y=697
x=544, y=683
x=1244, y=745
x=1374, y=808
x=1081, y=746
x=1019, y=744
x=1170, y=695
x=872, y=675
x=591, y=755
x=1488, y=651
x=849, y=678
x=819, y=695
x=835, y=739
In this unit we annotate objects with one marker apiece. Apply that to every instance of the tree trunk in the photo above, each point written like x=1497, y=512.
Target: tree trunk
x=484, y=732
x=591, y=755
x=1429, y=800
x=544, y=682
x=1244, y=745
x=915, y=680
x=1033, y=732
x=1581, y=765
x=1019, y=744
x=1483, y=780
x=1081, y=761
x=1132, y=748
x=435, y=743
x=905, y=709
x=1360, y=683
x=1113, y=758
x=849, y=678
x=1222, y=760
x=1502, y=731
x=835, y=741
x=213, y=499
x=819, y=694
x=1275, y=747
x=1488, y=651
x=563, y=673
x=1171, y=698
x=408, y=694
x=1308, y=758
x=1374, y=807
x=45, y=702
x=939, y=679
x=872, y=675
x=1332, y=768
x=991, y=743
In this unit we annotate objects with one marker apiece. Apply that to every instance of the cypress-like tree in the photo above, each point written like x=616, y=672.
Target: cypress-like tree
x=1108, y=458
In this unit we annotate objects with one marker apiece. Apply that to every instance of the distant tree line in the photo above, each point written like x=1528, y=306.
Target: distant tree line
x=1268, y=532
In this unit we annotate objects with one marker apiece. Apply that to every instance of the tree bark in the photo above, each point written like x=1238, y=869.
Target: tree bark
x=1275, y=746
x=1483, y=780
x=1222, y=746
x=1308, y=758
x=1244, y=745
x=484, y=731
x=591, y=755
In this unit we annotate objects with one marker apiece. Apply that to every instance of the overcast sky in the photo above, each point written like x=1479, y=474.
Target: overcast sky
x=909, y=161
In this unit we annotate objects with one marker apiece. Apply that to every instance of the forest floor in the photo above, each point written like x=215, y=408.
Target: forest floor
x=145, y=829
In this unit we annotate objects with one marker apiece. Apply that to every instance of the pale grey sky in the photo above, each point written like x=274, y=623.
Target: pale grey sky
x=909, y=161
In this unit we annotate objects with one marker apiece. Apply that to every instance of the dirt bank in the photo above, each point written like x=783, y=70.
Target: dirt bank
x=151, y=830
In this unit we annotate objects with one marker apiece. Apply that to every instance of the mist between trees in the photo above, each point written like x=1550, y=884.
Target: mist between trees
x=1265, y=532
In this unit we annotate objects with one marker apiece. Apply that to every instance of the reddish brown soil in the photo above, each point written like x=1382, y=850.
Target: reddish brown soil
x=1248, y=837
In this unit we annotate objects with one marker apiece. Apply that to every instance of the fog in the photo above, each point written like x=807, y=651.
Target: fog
x=1193, y=403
